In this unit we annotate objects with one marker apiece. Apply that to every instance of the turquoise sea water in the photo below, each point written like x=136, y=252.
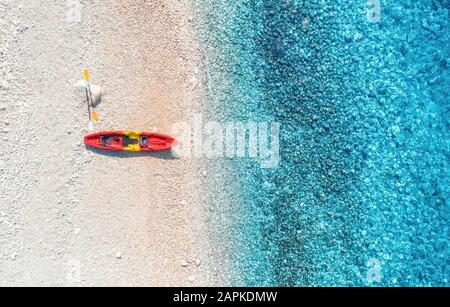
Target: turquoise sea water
x=361, y=195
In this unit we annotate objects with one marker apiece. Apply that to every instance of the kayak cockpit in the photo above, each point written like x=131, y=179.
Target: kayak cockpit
x=107, y=140
x=143, y=141
x=127, y=141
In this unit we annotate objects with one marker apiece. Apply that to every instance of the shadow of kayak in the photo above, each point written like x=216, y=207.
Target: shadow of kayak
x=163, y=155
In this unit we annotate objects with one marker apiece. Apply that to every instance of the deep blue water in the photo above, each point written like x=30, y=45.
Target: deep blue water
x=361, y=196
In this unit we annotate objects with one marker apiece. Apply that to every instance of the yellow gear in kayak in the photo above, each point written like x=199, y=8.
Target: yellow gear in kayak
x=133, y=135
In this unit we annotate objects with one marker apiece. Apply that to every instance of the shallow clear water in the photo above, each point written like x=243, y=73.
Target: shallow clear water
x=361, y=196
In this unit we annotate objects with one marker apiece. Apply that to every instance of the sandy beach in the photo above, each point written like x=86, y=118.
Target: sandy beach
x=69, y=216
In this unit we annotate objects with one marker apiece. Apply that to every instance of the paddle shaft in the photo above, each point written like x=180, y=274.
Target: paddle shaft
x=88, y=103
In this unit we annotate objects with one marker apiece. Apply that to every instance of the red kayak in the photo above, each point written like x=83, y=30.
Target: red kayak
x=129, y=141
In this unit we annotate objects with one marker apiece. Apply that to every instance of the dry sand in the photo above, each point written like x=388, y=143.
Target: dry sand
x=69, y=216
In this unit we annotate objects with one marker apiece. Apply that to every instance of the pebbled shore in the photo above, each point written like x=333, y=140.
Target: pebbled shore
x=69, y=216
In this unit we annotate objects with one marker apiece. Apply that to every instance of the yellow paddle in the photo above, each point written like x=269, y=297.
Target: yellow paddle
x=86, y=74
x=94, y=116
x=86, y=77
x=89, y=96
